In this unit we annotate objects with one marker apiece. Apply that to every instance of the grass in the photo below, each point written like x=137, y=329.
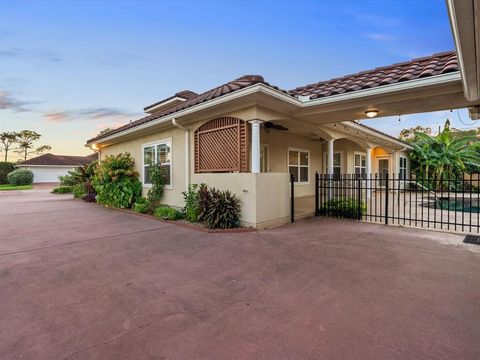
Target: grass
x=14, y=187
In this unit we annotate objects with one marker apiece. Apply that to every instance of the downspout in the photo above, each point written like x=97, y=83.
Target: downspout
x=187, y=151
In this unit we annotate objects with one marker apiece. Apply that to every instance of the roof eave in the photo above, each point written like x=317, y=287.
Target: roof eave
x=464, y=18
x=255, y=88
x=379, y=134
x=268, y=90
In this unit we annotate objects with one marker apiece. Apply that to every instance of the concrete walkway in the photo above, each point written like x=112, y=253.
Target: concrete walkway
x=78, y=281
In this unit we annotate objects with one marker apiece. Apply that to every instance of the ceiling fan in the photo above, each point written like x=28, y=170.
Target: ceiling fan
x=268, y=125
x=318, y=139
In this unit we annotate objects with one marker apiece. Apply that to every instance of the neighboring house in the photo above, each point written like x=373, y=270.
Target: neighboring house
x=248, y=135
x=48, y=167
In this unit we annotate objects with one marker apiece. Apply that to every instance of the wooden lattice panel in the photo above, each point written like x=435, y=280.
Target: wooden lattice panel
x=221, y=146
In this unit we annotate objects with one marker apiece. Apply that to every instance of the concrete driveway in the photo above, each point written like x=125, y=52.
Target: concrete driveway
x=81, y=282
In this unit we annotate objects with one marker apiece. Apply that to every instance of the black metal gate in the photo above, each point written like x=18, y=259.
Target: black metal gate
x=447, y=203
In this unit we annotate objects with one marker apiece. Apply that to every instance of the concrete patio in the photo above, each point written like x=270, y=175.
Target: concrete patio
x=78, y=281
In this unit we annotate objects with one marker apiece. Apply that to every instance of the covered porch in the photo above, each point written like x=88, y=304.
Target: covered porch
x=337, y=149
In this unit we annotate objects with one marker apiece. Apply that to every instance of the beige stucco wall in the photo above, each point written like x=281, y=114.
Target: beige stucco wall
x=278, y=144
x=347, y=149
x=265, y=198
x=173, y=195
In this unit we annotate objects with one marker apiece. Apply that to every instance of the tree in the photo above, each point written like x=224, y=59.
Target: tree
x=409, y=134
x=445, y=154
x=7, y=141
x=26, y=140
x=104, y=131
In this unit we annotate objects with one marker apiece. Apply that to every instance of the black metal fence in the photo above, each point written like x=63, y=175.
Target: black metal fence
x=450, y=203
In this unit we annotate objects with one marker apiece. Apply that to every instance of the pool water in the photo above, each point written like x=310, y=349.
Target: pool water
x=458, y=205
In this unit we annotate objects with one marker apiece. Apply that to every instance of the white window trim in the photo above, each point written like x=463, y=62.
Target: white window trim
x=308, y=166
x=152, y=143
x=354, y=166
x=400, y=165
x=325, y=160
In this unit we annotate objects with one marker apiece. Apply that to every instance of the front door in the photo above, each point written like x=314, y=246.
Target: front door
x=383, y=166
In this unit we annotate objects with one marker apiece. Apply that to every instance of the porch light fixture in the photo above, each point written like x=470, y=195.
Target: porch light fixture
x=371, y=113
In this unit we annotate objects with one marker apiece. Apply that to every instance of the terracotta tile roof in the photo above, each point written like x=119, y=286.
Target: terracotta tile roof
x=221, y=90
x=60, y=160
x=185, y=94
x=436, y=64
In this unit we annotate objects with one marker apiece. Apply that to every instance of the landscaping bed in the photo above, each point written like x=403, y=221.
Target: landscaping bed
x=182, y=222
x=114, y=183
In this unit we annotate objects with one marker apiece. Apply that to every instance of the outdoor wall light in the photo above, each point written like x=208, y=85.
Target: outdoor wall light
x=371, y=113
x=94, y=147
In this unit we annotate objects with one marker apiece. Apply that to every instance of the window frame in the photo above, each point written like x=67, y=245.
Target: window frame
x=360, y=166
x=325, y=159
x=155, y=143
x=402, y=169
x=299, y=150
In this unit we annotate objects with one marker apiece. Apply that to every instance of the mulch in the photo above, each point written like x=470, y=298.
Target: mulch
x=182, y=222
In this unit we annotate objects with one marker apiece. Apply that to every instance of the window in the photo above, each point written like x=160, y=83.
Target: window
x=403, y=168
x=298, y=164
x=337, y=164
x=360, y=164
x=158, y=153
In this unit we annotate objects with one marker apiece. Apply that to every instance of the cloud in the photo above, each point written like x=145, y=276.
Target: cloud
x=18, y=53
x=114, y=58
x=9, y=102
x=102, y=113
x=379, y=36
x=4, y=33
x=376, y=20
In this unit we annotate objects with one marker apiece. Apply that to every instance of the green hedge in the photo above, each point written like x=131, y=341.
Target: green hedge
x=5, y=168
x=343, y=208
x=168, y=213
x=20, y=177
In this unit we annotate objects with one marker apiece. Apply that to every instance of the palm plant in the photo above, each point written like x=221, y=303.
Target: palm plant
x=445, y=155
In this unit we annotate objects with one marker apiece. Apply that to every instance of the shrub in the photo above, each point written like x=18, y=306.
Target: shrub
x=191, y=209
x=20, y=177
x=116, y=181
x=343, y=208
x=155, y=194
x=79, y=191
x=203, y=202
x=87, y=175
x=5, y=168
x=167, y=213
x=71, y=179
x=141, y=206
x=222, y=210
x=62, y=190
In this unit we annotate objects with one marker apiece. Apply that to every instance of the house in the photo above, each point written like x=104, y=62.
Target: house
x=47, y=168
x=248, y=135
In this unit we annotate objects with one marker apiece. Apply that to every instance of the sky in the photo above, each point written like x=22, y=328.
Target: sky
x=69, y=69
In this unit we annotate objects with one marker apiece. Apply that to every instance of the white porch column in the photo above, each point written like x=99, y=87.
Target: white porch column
x=368, y=165
x=256, y=145
x=330, y=157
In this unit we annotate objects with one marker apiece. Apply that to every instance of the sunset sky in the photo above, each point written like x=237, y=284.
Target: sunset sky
x=70, y=69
